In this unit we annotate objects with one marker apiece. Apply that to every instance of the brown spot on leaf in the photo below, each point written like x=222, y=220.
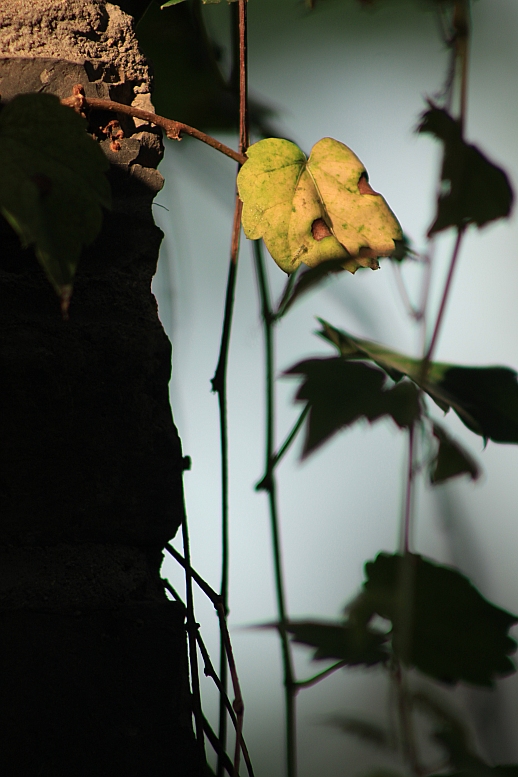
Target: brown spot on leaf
x=320, y=230
x=364, y=186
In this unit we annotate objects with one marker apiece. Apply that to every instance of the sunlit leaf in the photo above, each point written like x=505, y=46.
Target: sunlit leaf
x=52, y=186
x=441, y=624
x=475, y=191
x=484, y=398
x=451, y=460
x=351, y=643
x=314, y=210
x=340, y=392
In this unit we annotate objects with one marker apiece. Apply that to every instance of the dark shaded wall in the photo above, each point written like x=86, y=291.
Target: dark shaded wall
x=93, y=666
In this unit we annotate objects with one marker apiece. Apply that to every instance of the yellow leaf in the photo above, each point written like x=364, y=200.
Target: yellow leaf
x=316, y=210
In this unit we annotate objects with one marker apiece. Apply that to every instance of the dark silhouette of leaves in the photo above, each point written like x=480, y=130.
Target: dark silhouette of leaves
x=340, y=392
x=463, y=759
x=475, y=191
x=441, y=624
x=52, y=186
x=308, y=279
x=352, y=643
x=451, y=460
x=484, y=398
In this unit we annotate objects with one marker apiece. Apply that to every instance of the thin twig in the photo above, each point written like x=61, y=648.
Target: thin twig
x=192, y=628
x=320, y=676
x=270, y=486
x=209, y=671
x=198, y=579
x=429, y=352
x=219, y=381
x=237, y=704
x=173, y=129
x=291, y=436
x=408, y=512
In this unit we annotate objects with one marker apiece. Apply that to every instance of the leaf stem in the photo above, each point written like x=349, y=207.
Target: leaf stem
x=321, y=675
x=408, y=512
x=429, y=352
x=291, y=436
x=290, y=686
x=173, y=129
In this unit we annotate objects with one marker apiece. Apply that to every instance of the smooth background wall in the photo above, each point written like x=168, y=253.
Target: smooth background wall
x=360, y=76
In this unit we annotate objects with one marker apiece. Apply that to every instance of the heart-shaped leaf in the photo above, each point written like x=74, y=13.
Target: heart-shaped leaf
x=441, y=624
x=52, y=186
x=314, y=210
x=340, y=392
x=484, y=398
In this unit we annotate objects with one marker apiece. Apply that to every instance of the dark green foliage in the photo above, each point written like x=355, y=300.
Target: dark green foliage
x=462, y=758
x=340, y=392
x=484, y=398
x=349, y=642
x=188, y=84
x=441, y=623
x=53, y=186
x=475, y=190
x=451, y=460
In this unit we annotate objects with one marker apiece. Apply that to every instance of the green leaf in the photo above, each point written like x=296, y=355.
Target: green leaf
x=171, y=2
x=451, y=460
x=314, y=210
x=53, y=185
x=340, y=392
x=352, y=643
x=484, y=398
x=475, y=191
x=441, y=624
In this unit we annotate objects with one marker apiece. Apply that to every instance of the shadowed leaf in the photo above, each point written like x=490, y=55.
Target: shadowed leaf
x=314, y=210
x=352, y=643
x=308, y=279
x=451, y=460
x=341, y=392
x=441, y=624
x=52, y=187
x=484, y=398
x=475, y=191
x=363, y=729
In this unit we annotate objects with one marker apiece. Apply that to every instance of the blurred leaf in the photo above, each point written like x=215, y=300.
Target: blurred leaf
x=314, y=210
x=484, y=398
x=52, y=186
x=475, y=191
x=451, y=460
x=351, y=643
x=363, y=729
x=188, y=85
x=308, y=279
x=341, y=392
x=441, y=624
x=465, y=760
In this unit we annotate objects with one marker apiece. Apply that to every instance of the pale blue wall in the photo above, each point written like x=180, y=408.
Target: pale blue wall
x=359, y=77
